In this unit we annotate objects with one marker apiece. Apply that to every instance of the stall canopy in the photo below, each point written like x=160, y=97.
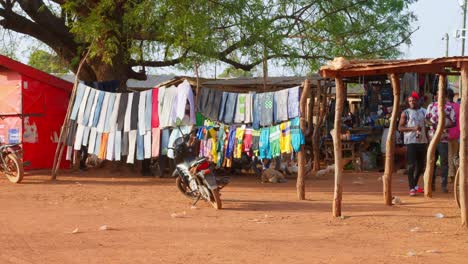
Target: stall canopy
x=340, y=69
x=32, y=110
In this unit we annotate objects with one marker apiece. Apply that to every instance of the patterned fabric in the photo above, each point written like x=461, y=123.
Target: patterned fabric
x=266, y=109
x=433, y=116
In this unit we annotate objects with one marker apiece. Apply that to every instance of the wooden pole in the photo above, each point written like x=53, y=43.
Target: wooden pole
x=390, y=144
x=300, y=184
x=336, y=134
x=464, y=146
x=316, y=134
x=430, y=160
x=65, y=125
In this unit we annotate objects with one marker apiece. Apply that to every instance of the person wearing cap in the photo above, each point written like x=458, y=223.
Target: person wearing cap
x=412, y=124
x=432, y=117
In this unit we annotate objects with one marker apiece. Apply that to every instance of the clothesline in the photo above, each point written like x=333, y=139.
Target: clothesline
x=112, y=125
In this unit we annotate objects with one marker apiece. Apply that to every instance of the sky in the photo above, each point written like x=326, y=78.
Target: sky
x=435, y=18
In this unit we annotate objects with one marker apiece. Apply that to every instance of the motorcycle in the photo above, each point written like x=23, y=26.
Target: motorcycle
x=11, y=162
x=194, y=175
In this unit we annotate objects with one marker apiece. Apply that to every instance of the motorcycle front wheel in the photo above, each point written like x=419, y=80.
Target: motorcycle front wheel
x=216, y=199
x=13, y=168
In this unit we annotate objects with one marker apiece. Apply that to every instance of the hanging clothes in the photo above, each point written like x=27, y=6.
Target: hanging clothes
x=285, y=139
x=103, y=114
x=266, y=109
x=275, y=134
x=166, y=115
x=97, y=108
x=240, y=131
x=155, y=108
x=281, y=106
x=128, y=113
x=231, y=142
x=141, y=113
x=121, y=112
x=230, y=108
x=247, y=142
x=297, y=138
x=115, y=113
x=255, y=112
x=87, y=116
x=82, y=107
x=222, y=107
x=255, y=142
x=221, y=137
x=248, y=108
x=80, y=90
x=239, y=116
x=134, y=111
x=293, y=102
x=216, y=104
x=264, y=144
x=184, y=93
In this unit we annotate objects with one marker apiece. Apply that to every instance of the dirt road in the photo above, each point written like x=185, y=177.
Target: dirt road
x=261, y=223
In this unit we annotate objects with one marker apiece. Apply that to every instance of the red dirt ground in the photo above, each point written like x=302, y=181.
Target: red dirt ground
x=261, y=223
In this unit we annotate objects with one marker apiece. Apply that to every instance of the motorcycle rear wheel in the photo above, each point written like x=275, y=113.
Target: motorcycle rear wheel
x=13, y=168
x=184, y=189
x=216, y=199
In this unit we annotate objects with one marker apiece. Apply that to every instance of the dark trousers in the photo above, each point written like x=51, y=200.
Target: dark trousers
x=416, y=155
x=442, y=153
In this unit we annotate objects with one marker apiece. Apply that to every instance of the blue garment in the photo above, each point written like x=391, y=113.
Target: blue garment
x=297, y=138
x=264, y=144
x=231, y=142
x=97, y=146
x=110, y=108
x=78, y=98
x=140, y=153
x=256, y=111
x=89, y=105
x=118, y=145
x=222, y=106
x=293, y=102
x=220, y=145
x=230, y=108
x=164, y=141
x=97, y=111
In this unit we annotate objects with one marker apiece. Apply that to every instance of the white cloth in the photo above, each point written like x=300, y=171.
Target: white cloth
x=166, y=116
x=69, y=153
x=118, y=145
x=141, y=113
x=79, y=137
x=161, y=94
x=110, y=146
x=184, y=93
x=115, y=111
x=92, y=140
x=128, y=113
x=93, y=108
x=103, y=114
x=281, y=105
x=87, y=130
x=176, y=133
x=131, y=146
x=147, y=144
x=248, y=108
x=83, y=105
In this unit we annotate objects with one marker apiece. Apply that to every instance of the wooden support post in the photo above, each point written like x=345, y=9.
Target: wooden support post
x=390, y=144
x=316, y=134
x=65, y=126
x=430, y=160
x=336, y=134
x=300, y=184
x=464, y=146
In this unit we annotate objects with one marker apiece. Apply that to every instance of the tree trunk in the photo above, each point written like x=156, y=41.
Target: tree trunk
x=464, y=146
x=300, y=184
x=336, y=134
x=316, y=134
x=430, y=160
x=390, y=144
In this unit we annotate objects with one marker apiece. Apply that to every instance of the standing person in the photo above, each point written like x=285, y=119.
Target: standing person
x=432, y=116
x=412, y=124
x=453, y=136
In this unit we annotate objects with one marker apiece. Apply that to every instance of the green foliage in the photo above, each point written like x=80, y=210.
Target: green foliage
x=47, y=62
x=238, y=32
x=231, y=72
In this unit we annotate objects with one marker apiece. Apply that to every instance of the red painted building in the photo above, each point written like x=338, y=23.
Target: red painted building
x=33, y=105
